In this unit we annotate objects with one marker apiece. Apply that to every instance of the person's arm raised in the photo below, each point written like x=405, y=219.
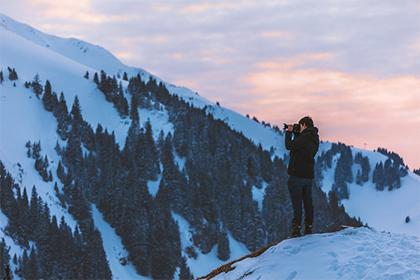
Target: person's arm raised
x=294, y=144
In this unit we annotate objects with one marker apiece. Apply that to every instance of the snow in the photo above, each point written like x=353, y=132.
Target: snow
x=23, y=118
x=114, y=249
x=328, y=175
x=92, y=56
x=383, y=210
x=353, y=253
x=13, y=247
x=159, y=119
x=153, y=186
x=179, y=161
x=259, y=193
x=387, y=210
x=205, y=262
x=65, y=75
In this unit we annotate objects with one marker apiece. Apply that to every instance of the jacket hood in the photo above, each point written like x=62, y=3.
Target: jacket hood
x=312, y=130
x=313, y=133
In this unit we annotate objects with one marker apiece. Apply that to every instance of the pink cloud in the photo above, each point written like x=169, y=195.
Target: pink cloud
x=354, y=108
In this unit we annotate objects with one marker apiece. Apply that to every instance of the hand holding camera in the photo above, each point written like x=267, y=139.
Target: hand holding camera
x=295, y=128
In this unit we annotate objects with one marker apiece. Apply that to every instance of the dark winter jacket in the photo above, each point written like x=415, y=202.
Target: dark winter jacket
x=302, y=152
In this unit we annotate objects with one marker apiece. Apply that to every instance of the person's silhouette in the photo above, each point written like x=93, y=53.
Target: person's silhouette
x=303, y=148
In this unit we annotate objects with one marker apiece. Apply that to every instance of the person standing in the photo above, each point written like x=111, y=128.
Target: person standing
x=303, y=148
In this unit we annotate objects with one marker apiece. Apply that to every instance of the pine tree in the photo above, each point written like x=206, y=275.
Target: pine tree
x=121, y=102
x=47, y=98
x=4, y=261
x=28, y=146
x=86, y=76
x=223, y=251
x=76, y=111
x=1, y=77
x=165, y=243
x=378, y=176
x=184, y=272
x=36, y=150
x=134, y=114
x=12, y=74
x=95, y=78
x=36, y=86
x=125, y=77
x=62, y=116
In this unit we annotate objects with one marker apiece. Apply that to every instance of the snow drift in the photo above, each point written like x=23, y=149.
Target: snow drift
x=353, y=253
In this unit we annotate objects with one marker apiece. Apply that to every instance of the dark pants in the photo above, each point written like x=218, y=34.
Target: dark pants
x=300, y=190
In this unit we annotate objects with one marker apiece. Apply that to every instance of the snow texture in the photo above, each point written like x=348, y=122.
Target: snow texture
x=353, y=253
x=114, y=249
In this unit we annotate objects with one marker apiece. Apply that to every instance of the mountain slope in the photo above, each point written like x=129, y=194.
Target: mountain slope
x=89, y=55
x=353, y=253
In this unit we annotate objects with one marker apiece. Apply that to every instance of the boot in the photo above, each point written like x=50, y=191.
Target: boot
x=308, y=229
x=295, y=230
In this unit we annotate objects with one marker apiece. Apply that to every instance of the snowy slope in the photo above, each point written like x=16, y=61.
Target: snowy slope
x=13, y=247
x=205, y=262
x=353, y=253
x=114, y=249
x=89, y=55
x=383, y=210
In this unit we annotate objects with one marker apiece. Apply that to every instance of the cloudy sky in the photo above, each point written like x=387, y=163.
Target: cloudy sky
x=354, y=66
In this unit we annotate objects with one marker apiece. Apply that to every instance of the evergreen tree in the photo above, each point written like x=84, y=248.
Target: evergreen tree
x=223, y=251
x=165, y=242
x=36, y=86
x=95, y=78
x=28, y=146
x=184, y=272
x=134, y=114
x=62, y=116
x=76, y=112
x=48, y=99
x=1, y=77
x=121, y=102
x=378, y=176
x=12, y=74
x=86, y=76
x=4, y=260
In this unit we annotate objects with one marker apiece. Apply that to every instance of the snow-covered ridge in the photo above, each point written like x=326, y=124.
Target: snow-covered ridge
x=353, y=253
x=90, y=55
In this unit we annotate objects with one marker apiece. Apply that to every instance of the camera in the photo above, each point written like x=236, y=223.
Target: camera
x=296, y=128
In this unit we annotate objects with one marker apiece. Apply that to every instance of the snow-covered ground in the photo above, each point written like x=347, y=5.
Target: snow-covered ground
x=14, y=249
x=391, y=207
x=114, y=249
x=354, y=253
x=22, y=119
x=258, y=194
x=205, y=262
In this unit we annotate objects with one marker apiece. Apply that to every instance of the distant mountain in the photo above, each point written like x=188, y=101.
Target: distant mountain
x=135, y=177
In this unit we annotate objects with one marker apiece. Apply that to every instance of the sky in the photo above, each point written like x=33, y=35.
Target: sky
x=353, y=66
